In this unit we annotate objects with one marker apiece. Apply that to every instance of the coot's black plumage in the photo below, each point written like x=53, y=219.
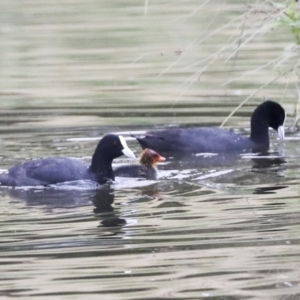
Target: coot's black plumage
x=177, y=141
x=146, y=169
x=61, y=169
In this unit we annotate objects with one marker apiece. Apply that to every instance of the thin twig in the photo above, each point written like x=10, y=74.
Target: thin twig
x=146, y=7
x=253, y=34
x=250, y=96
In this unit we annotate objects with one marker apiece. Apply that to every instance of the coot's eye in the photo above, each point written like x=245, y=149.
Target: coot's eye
x=115, y=143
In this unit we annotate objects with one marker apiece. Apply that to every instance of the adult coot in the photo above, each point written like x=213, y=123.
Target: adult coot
x=177, y=141
x=60, y=169
x=146, y=169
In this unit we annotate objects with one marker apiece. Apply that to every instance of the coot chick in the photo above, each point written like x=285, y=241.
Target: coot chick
x=54, y=170
x=146, y=169
x=177, y=141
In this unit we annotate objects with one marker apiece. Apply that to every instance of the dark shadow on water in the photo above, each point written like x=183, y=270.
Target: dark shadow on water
x=268, y=190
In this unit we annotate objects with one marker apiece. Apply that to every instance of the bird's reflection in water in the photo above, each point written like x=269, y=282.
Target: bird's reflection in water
x=65, y=195
x=103, y=199
x=269, y=163
x=112, y=218
x=112, y=222
x=268, y=190
x=50, y=197
x=77, y=194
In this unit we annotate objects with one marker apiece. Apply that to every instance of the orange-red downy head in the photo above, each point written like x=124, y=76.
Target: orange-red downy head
x=150, y=158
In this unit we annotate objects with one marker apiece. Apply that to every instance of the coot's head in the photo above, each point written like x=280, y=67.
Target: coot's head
x=268, y=114
x=113, y=146
x=110, y=147
x=150, y=158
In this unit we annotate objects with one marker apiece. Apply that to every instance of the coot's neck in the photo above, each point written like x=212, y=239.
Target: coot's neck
x=101, y=168
x=259, y=130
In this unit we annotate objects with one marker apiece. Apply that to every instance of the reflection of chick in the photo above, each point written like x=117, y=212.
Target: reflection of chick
x=146, y=169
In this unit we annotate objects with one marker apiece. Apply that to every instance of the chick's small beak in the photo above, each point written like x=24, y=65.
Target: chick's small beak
x=160, y=158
